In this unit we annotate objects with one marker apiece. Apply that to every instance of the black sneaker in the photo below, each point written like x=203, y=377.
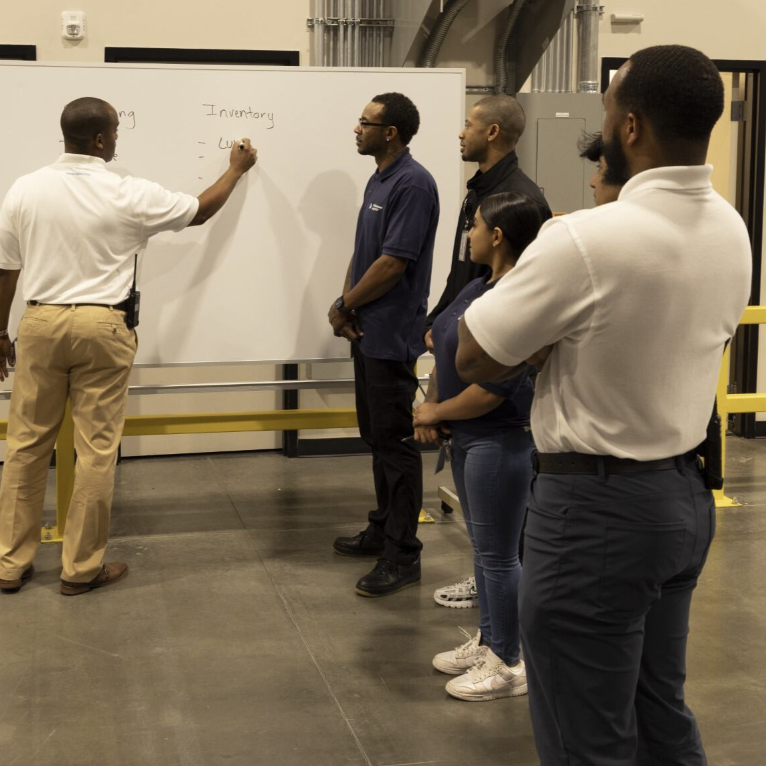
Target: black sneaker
x=388, y=577
x=360, y=545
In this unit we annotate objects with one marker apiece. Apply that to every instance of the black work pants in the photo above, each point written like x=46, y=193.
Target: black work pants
x=385, y=391
x=609, y=568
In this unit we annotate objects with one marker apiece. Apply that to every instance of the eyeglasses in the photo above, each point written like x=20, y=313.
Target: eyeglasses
x=364, y=124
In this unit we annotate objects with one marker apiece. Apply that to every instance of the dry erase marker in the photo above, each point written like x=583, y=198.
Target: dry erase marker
x=241, y=145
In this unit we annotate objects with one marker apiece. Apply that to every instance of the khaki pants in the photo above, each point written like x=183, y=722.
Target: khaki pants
x=85, y=353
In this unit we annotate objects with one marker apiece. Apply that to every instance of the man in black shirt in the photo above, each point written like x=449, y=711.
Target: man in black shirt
x=492, y=129
x=489, y=137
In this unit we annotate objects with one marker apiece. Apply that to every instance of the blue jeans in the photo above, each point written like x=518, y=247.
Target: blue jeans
x=492, y=476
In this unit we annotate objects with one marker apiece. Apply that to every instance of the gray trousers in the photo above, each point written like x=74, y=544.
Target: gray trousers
x=610, y=565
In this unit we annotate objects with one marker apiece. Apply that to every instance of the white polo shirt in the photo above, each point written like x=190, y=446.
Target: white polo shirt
x=639, y=298
x=74, y=227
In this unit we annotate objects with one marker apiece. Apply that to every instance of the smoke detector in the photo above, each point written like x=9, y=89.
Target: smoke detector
x=73, y=25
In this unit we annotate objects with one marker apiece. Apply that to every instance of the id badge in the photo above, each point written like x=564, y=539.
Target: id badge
x=463, y=252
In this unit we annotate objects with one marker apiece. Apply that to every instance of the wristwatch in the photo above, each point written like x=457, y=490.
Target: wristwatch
x=340, y=305
x=3, y=333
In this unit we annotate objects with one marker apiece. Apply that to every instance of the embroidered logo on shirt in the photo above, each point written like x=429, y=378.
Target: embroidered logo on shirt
x=375, y=208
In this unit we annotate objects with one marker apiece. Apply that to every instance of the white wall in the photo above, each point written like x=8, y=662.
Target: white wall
x=246, y=24
x=731, y=30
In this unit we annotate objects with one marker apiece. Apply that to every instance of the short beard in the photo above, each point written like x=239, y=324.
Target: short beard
x=473, y=157
x=617, y=170
x=371, y=149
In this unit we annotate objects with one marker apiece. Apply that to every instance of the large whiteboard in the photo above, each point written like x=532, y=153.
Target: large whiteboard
x=256, y=281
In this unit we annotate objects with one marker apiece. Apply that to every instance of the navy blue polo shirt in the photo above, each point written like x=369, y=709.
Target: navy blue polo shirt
x=398, y=217
x=517, y=393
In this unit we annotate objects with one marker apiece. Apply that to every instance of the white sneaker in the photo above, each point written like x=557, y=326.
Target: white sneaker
x=490, y=680
x=463, y=657
x=461, y=595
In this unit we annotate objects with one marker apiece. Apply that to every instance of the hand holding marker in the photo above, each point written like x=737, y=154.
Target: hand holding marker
x=243, y=156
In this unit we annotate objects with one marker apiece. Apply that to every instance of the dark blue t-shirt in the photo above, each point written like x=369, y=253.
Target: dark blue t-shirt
x=398, y=217
x=517, y=393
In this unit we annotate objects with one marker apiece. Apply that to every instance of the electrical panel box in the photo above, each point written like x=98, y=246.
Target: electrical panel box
x=548, y=151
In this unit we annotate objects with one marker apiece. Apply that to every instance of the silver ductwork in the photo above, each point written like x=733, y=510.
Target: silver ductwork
x=351, y=33
x=553, y=73
x=588, y=16
x=503, y=44
x=364, y=33
x=440, y=30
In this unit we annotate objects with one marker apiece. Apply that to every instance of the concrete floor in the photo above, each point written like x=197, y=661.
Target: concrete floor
x=238, y=640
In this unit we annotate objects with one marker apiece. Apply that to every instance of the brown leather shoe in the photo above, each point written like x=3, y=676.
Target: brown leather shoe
x=109, y=575
x=14, y=586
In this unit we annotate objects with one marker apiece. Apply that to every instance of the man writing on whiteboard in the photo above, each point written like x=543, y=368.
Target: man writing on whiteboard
x=381, y=311
x=74, y=228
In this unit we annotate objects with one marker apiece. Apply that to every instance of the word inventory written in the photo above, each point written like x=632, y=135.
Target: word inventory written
x=241, y=113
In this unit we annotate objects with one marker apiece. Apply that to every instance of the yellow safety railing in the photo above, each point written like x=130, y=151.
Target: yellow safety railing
x=192, y=423
x=736, y=404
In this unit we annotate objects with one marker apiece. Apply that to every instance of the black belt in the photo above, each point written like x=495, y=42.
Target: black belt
x=577, y=463
x=122, y=306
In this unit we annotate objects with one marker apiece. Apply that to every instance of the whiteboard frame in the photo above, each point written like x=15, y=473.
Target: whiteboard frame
x=444, y=221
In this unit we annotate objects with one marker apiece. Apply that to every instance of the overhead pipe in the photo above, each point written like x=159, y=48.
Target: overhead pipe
x=439, y=32
x=588, y=15
x=366, y=34
x=567, y=30
x=553, y=73
x=503, y=46
x=538, y=76
x=318, y=32
x=356, y=9
x=351, y=27
x=563, y=57
x=381, y=34
x=342, y=34
x=350, y=32
x=548, y=69
x=558, y=78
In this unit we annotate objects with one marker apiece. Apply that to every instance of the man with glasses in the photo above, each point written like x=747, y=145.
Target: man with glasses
x=381, y=312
